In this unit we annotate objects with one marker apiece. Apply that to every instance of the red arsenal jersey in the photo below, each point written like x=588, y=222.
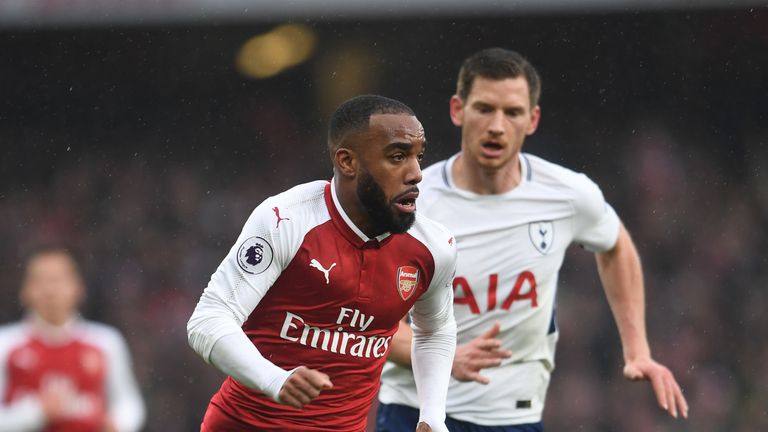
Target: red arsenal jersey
x=86, y=362
x=311, y=290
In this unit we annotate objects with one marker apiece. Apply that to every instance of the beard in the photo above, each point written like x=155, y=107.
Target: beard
x=381, y=211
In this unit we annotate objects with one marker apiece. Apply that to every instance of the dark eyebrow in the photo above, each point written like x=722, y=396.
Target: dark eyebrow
x=481, y=104
x=398, y=146
x=404, y=146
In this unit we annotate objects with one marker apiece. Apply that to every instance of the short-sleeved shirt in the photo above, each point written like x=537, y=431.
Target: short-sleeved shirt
x=510, y=249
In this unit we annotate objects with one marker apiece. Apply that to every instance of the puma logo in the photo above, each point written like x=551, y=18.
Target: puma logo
x=277, y=214
x=316, y=264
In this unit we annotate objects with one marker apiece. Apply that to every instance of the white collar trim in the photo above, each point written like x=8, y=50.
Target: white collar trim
x=346, y=218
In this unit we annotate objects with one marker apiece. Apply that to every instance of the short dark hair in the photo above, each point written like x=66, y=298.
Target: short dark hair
x=355, y=114
x=51, y=249
x=497, y=64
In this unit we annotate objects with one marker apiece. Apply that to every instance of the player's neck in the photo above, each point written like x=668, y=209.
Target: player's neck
x=473, y=177
x=355, y=210
x=52, y=332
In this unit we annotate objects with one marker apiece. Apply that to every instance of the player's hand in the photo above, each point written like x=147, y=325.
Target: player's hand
x=423, y=427
x=53, y=401
x=108, y=425
x=668, y=392
x=481, y=352
x=303, y=386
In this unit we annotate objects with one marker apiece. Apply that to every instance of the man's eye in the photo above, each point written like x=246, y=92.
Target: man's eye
x=398, y=157
x=420, y=157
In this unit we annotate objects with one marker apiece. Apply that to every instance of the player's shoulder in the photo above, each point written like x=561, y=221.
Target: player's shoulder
x=543, y=172
x=292, y=211
x=436, y=173
x=435, y=236
x=11, y=329
x=12, y=335
x=103, y=335
x=435, y=184
x=300, y=195
x=584, y=195
x=435, y=176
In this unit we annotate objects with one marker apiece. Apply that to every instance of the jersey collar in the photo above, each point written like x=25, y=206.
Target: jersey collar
x=526, y=174
x=344, y=224
x=52, y=334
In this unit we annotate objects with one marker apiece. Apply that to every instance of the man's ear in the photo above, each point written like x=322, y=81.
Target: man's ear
x=456, y=106
x=346, y=162
x=535, y=118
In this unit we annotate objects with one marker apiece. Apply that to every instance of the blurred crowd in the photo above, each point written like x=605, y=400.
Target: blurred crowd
x=151, y=225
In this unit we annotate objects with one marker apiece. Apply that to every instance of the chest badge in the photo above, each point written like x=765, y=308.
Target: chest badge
x=316, y=264
x=542, y=234
x=407, y=280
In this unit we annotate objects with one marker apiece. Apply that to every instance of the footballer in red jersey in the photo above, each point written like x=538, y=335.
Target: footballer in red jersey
x=301, y=312
x=60, y=372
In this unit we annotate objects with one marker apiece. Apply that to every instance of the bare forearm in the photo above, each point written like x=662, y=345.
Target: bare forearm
x=621, y=274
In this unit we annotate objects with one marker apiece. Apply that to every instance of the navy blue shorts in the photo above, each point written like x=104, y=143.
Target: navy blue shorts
x=401, y=418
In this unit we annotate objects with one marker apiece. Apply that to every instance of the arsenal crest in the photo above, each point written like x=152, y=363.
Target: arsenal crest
x=407, y=280
x=542, y=234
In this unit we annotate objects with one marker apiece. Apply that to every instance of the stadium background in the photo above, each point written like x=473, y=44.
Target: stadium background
x=145, y=140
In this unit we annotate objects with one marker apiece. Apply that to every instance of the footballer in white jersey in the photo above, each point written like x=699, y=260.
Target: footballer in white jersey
x=510, y=249
x=513, y=216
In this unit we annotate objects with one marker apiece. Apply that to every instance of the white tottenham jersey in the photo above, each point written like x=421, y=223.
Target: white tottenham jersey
x=510, y=249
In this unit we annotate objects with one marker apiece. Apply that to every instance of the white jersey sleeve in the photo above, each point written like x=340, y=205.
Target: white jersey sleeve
x=434, y=336
x=596, y=225
x=126, y=407
x=238, y=285
x=252, y=265
x=25, y=414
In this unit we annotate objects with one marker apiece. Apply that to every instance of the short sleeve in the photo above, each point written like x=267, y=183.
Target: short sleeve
x=596, y=224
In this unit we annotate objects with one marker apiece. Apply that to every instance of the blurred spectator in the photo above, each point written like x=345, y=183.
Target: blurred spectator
x=60, y=372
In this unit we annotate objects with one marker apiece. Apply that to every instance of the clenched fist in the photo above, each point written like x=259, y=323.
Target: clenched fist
x=303, y=386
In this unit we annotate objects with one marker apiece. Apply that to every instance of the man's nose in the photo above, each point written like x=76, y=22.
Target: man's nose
x=413, y=174
x=496, y=127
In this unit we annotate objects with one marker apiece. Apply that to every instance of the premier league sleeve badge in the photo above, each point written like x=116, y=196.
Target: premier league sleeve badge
x=255, y=255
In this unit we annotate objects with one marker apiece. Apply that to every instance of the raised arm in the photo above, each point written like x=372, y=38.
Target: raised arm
x=622, y=278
